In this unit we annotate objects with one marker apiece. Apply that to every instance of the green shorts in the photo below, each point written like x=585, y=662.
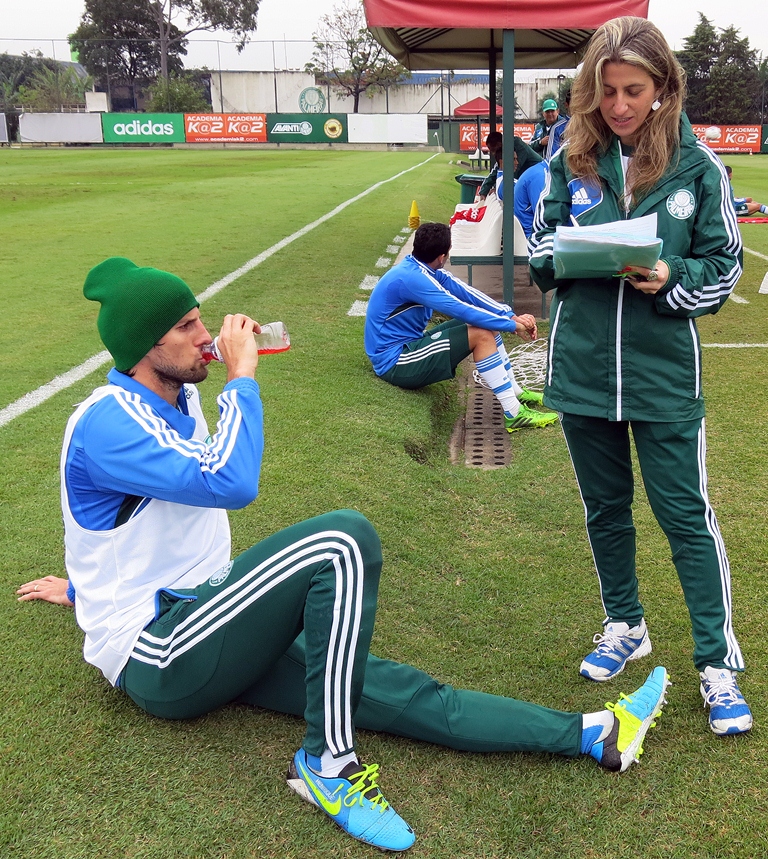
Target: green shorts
x=432, y=358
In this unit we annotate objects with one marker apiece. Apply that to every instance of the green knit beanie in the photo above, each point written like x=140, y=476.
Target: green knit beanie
x=139, y=306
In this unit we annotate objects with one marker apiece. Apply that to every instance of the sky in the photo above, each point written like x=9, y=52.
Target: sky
x=26, y=24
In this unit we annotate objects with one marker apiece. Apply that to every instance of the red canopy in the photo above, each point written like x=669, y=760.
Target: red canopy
x=500, y=14
x=458, y=34
x=474, y=34
x=476, y=107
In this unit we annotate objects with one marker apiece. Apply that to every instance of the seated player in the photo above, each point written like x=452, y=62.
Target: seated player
x=404, y=353
x=744, y=206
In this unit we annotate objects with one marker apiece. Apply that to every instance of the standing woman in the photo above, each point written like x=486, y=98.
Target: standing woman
x=625, y=353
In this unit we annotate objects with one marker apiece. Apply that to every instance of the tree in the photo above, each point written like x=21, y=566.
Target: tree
x=15, y=73
x=734, y=80
x=723, y=75
x=117, y=42
x=145, y=35
x=348, y=58
x=700, y=50
x=235, y=16
x=48, y=90
x=178, y=94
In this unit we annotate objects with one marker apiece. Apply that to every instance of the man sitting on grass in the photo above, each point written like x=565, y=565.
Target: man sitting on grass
x=404, y=353
x=744, y=206
x=182, y=629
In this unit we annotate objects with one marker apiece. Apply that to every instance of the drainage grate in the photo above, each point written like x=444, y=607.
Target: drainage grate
x=480, y=439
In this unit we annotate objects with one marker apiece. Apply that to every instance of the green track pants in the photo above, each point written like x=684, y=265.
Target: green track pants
x=672, y=463
x=288, y=628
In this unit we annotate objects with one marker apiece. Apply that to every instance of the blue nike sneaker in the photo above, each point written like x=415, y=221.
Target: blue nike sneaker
x=353, y=801
x=729, y=713
x=634, y=716
x=617, y=645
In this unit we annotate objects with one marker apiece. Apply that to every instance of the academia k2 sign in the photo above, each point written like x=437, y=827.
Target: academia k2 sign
x=143, y=127
x=306, y=128
x=226, y=127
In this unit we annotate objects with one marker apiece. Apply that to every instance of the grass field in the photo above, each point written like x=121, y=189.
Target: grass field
x=488, y=580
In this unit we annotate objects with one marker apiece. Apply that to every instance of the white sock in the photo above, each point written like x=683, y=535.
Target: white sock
x=595, y=727
x=331, y=766
x=507, y=364
x=493, y=372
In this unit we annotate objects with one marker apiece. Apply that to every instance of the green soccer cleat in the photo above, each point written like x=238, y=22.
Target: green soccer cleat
x=634, y=716
x=528, y=418
x=531, y=398
x=353, y=801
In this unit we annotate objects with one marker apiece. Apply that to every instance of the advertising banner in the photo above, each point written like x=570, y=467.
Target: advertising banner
x=306, y=128
x=468, y=133
x=730, y=138
x=225, y=127
x=60, y=128
x=764, y=137
x=387, y=127
x=3, y=129
x=143, y=127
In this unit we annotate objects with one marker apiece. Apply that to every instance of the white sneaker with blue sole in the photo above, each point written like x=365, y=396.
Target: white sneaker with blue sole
x=616, y=645
x=729, y=713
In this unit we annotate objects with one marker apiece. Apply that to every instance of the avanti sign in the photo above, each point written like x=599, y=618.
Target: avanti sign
x=306, y=128
x=143, y=127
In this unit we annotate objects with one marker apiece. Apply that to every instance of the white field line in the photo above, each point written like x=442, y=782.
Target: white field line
x=359, y=308
x=734, y=345
x=755, y=253
x=65, y=380
x=738, y=299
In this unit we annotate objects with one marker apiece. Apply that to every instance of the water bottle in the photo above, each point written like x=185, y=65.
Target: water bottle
x=274, y=338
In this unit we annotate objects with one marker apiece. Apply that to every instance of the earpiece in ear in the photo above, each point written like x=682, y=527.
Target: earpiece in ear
x=656, y=105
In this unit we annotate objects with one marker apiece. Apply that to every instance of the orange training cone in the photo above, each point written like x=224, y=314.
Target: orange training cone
x=413, y=219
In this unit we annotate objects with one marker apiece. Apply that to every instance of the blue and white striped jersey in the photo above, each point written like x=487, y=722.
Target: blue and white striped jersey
x=403, y=301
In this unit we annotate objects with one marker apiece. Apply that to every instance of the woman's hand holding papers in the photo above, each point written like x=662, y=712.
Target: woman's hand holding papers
x=652, y=286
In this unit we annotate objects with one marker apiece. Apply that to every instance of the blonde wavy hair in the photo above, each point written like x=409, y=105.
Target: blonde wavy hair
x=640, y=43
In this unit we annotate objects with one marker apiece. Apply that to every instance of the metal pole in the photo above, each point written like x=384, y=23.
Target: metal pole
x=492, y=83
x=508, y=158
x=221, y=85
x=274, y=74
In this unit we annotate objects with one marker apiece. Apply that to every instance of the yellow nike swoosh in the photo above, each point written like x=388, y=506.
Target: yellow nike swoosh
x=333, y=808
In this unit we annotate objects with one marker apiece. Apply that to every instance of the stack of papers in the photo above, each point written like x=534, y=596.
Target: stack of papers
x=605, y=249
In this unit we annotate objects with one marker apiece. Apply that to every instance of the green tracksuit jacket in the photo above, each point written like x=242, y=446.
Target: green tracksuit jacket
x=615, y=352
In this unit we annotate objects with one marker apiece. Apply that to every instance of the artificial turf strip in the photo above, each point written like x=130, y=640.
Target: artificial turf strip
x=488, y=581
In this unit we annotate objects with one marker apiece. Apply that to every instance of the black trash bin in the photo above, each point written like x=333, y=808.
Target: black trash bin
x=469, y=185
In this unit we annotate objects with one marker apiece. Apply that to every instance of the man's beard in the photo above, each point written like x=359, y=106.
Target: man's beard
x=173, y=377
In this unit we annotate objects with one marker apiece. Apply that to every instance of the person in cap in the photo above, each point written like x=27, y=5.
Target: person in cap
x=557, y=132
x=550, y=117
x=181, y=627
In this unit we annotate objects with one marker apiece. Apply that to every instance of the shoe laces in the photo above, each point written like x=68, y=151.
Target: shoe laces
x=722, y=691
x=364, y=783
x=607, y=641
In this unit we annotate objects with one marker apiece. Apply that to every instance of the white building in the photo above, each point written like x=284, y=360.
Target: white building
x=433, y=93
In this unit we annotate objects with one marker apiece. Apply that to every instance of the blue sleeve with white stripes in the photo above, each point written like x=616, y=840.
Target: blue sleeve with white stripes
x=701, y=282
x=444, y=292
x=125, y=446
x=552, y=210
